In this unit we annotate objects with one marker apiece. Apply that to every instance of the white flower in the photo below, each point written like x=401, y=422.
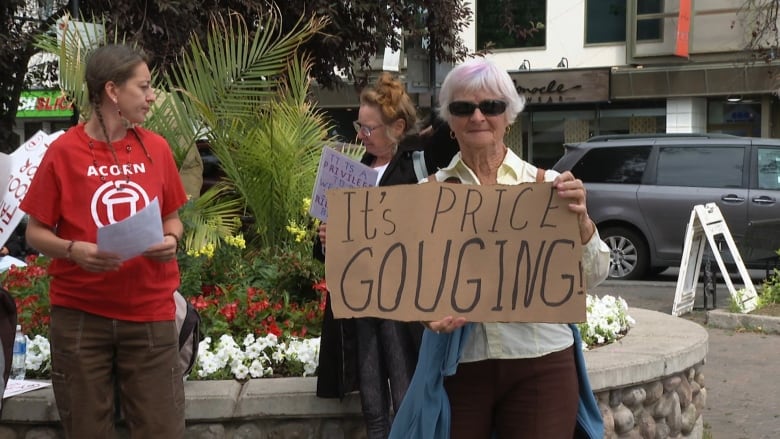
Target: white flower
x=38, y=356
x=256, y=369
x=255, y=357
x=607, y=320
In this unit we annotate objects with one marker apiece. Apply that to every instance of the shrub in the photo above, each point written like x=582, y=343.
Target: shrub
x=240, y=295
x=29, y=286
x=770, y=290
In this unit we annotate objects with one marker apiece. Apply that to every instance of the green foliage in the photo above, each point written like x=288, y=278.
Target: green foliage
x=210, y=217
x=247, y=94
x=240, y=291
x=735, y=303
x=250, y=91
x=355, y=32
x=506, y=24
x=770, y=290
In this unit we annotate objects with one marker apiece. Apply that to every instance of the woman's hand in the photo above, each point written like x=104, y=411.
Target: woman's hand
x=573, y=189
x=445, y=325
x=164, y=251
x=87, y=256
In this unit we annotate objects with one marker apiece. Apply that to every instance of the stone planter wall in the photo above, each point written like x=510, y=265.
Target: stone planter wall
x=649, y=385
x=667, y=408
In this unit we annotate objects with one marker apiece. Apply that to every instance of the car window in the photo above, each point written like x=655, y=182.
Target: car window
x=612, y=165
x=768, y=168
x=700, y=166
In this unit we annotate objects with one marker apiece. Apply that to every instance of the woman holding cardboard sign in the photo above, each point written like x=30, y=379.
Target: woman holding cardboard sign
x=513, y=379
x=376, y=355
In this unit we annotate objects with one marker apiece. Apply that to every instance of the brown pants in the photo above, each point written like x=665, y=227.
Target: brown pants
x=90, y=354
x=533, y=398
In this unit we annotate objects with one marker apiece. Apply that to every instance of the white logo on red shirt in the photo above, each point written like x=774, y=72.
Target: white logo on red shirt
x=116, y=200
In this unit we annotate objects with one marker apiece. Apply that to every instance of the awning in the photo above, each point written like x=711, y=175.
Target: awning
x=694, y=80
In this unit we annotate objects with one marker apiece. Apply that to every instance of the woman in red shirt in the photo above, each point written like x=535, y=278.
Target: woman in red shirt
x=112, y=320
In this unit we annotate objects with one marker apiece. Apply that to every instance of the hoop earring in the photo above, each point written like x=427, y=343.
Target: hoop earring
x=452, y=134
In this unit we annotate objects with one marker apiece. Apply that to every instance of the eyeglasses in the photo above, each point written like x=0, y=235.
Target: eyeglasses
x=364, y=130
x=492, y=107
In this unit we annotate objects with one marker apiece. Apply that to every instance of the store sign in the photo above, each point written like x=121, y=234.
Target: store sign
x=563, y=86
x=40, y=103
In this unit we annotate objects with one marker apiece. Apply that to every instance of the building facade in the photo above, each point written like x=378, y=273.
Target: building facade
x=630, y=66
x=592, y=67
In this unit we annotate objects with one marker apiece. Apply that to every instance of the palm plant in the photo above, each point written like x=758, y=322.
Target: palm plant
x=247, y=95
x=251, y=93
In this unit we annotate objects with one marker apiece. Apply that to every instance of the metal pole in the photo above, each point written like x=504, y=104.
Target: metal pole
x=74, y=8
x=709, y=283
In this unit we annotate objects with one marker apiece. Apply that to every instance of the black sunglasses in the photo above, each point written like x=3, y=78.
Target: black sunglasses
x=492, y=107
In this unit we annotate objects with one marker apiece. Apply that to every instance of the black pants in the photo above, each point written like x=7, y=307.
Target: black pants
x=387, y=356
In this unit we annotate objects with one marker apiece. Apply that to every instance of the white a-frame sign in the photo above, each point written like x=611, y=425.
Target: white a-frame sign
x=705, y=224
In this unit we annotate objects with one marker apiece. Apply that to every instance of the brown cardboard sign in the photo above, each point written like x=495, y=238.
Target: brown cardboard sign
x=427, y=251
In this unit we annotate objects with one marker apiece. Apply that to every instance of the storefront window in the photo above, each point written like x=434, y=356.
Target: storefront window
x=550, y=130
x=605, y=21
x=648, y=28
x=546, y=132
x=633, y=120
x=740, y=118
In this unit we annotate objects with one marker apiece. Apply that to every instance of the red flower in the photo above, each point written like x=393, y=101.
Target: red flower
x=229, y=311
x=200, y=303
x=320, y=286
x=273, y=329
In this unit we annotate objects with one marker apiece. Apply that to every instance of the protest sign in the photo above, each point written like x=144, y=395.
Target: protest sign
x=337, y=170
x=427, y=251
x=20, y=168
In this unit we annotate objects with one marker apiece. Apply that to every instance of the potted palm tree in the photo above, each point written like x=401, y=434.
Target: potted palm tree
x=247, y=95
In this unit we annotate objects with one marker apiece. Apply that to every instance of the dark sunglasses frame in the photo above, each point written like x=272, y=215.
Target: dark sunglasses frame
x=492, y=107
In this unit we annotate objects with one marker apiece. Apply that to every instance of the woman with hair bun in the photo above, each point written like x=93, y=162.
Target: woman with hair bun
x=376, y=356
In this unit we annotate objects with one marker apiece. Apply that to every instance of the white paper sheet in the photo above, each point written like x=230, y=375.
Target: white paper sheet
x=133, y=235
x=16, y=387
x=7, y=261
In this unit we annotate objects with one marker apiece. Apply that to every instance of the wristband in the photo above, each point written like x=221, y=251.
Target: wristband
x=68, y=250
x=174, y=236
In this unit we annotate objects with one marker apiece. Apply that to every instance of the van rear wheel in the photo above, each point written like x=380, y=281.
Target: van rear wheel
x=629, y=257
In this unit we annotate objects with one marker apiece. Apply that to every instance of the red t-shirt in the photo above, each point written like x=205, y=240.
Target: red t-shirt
x=78, y=188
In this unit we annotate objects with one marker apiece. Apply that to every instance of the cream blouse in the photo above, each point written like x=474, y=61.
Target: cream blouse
x=524, y=340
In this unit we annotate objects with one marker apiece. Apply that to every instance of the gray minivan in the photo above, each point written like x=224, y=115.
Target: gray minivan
x=642, y=189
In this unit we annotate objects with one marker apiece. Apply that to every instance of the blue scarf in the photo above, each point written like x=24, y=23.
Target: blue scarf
x=425, y=410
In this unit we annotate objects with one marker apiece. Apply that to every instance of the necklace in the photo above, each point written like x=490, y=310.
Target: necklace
x=128, y=148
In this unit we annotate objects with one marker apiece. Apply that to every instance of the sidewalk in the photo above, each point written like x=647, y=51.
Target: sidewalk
x=740, y=374
x=741, y=377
